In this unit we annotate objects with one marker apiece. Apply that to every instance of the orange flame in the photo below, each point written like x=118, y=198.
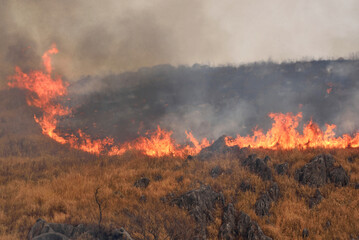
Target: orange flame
x=44, y=90
x=158, y=143
x=284, y=135
x=197, y=146
x=330, y=87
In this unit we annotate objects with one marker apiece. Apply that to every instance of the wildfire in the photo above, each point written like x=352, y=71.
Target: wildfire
x=284, y=135
x=160, y=143
x=330, y=87
x=44, y=90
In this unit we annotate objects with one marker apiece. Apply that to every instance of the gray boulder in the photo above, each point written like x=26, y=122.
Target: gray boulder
x=316, y=199
x=218, y=148
x=247, y=186
x=338, y=176
x=264, y=202
x=305, y=233
x=216, y=171
x=320, y=170
x=42, y=230
x=121, y=234
x=142, y=182
x=51, y=236
x=282, y=169
x=273, y=192
x=258, y=166
x=228, y=229
x=36, y=228
x=315, y=172
x=239, y=225
x=200, y=203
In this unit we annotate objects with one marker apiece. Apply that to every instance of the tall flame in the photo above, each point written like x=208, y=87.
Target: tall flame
x=44, y=90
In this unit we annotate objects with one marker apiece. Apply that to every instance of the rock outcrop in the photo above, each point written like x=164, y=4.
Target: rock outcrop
x=264, y=202
x=338, y=176
x=43, y=230
x=316, y=199
x=321, y=170
x=239, y=225
x=200, y=203
x=258, y=166
x=142, y=182
x=216, y=171
x=247, y=186
x=305, y=233
x=282, y=169
x=219, y=147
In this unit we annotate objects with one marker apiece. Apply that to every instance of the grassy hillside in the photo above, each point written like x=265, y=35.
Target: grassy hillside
x=61, y=189
x=42, y=179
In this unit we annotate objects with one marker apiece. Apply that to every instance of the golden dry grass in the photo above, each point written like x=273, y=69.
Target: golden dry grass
x=60, y=188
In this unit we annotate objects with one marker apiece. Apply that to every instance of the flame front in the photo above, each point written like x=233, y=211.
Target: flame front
x=44, y=90
x=284, y=135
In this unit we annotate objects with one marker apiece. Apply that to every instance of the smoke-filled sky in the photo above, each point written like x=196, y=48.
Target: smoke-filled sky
x=100, y=41
x=112, y=36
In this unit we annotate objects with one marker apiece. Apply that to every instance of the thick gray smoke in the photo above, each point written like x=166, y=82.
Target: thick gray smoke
x=98, y=37
x=100, y=42
x=113, y=36
x=212, y=101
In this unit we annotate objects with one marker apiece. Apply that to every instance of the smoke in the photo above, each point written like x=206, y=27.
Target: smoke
x=108, y=50
x=212, y=101
x=110, y=36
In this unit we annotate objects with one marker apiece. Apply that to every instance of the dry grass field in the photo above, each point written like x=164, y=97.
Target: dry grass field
x=180, y=120
x=43, y=179
x=59, y=185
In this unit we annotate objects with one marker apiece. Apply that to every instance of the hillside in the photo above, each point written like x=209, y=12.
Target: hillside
x=203, y=196
x=62, y=189
x=212, y=101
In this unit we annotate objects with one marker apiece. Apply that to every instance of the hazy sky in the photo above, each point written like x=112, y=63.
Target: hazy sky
x=99, y=37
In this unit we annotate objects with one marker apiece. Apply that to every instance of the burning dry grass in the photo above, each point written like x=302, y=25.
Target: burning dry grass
x=44, y=89
x=61, y=189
